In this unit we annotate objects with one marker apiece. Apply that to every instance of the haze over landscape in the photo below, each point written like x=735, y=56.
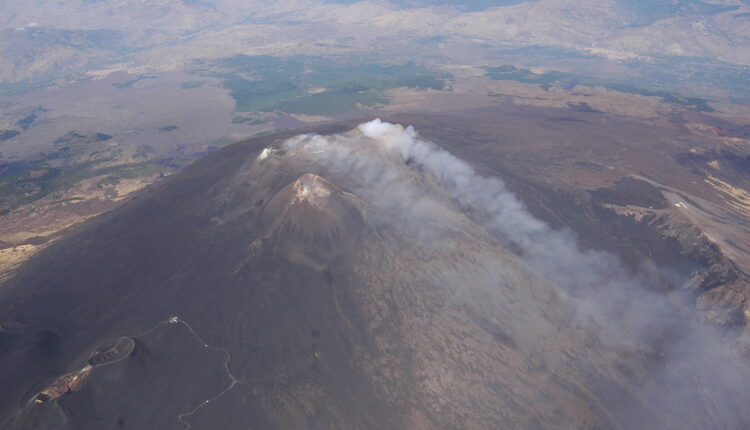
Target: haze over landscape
x=427, y=214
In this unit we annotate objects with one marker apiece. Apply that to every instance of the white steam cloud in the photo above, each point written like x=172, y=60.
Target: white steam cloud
x=382, y=157
x=388, y=160
x=553, y=253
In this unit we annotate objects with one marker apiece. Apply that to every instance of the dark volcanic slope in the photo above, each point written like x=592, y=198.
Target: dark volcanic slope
x=341, y=282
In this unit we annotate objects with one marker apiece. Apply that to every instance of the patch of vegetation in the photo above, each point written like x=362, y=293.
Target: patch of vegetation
x=109, y=181
x=77, y=157
x=131, y=82
x=702, y=74
x=29, y=119
x=19, y=189
x=511, y=73
x=143, y=151
x=8, y=134
x=237, y=119
x=74, y=144
x=26, y=122
x=330, y=102
x=72, y=199
x=191, y=84
x=692, y=103
x=312, y=85
x=267, y=132
x=545, y=53
x=566, y=80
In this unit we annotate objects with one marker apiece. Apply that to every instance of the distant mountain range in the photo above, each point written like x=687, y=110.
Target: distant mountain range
x=47, y=39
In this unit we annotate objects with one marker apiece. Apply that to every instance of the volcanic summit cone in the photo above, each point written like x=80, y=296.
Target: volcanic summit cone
x=313, y=211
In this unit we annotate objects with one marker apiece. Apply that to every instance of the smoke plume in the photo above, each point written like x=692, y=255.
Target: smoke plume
x=391, y=166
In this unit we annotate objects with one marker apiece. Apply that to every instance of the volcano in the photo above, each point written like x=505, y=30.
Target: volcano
x=349, y=277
